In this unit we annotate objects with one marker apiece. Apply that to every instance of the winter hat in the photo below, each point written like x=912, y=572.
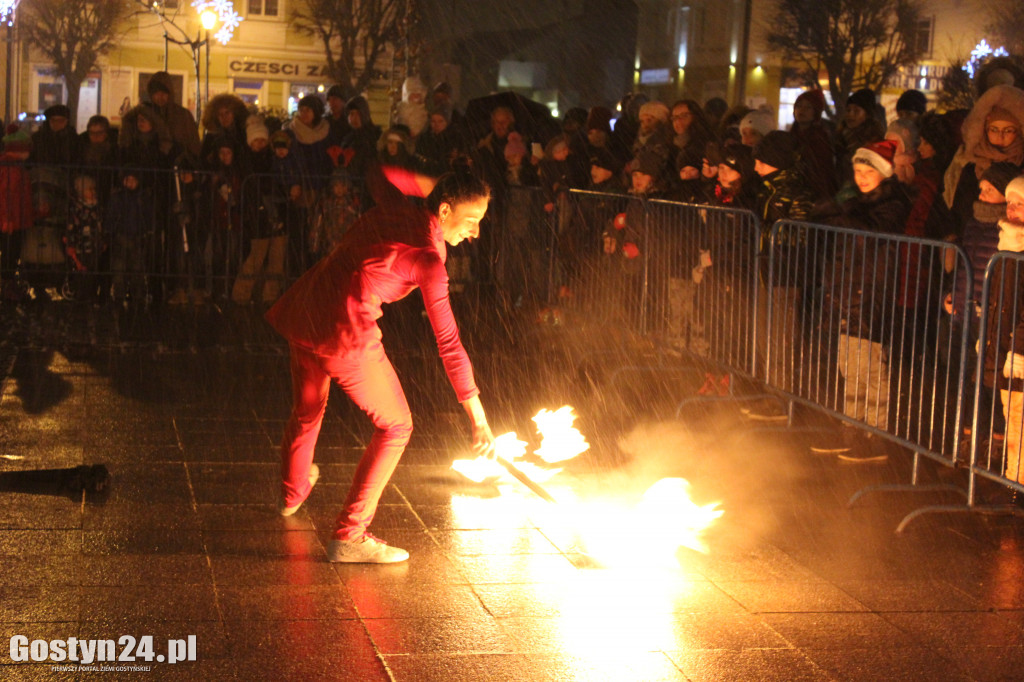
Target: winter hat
x=760, y=120
x=17, y=141
x=877, y=155
x=865, y=99
x=255, y=129
x=160, y=82
x=413, y=86
x=739, y=158
x=603, y=158
x=599, y=118
x=998, y=113
x=648, y=163
x=1016, y=188
x=906, y=133
x=336, y=91
x=689, y=157
x=656, y=109
x=816, y=98
x=444, y=112
x=281, y=139
x=515, y=146
x=314, y=103
x=225, y=142
x=776, y=149
x=912, y=100
x=57, y=110
x=1000, y=175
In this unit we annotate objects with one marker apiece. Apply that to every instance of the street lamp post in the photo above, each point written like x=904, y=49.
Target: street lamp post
x=208, y=18
x=8, y=10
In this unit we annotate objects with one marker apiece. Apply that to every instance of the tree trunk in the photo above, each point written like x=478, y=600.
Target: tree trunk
x=74, y=86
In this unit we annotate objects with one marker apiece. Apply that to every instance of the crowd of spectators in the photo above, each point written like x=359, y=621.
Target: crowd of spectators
x=152, y=212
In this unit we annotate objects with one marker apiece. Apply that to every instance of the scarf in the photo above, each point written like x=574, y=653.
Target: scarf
x=1011, y=236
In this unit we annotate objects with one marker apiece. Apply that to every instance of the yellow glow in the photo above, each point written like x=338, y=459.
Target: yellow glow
x=478, y=470
x=560, y=440
x=208, y=19
x=663, y=520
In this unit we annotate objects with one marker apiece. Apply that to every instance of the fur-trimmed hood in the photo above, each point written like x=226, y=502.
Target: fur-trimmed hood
x=1002, y=96
x=216, y=103
x=129, y=135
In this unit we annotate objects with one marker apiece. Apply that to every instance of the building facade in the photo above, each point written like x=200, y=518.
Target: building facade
x=701, y=49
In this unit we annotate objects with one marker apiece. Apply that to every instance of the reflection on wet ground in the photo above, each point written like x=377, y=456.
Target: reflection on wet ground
x=500, y=584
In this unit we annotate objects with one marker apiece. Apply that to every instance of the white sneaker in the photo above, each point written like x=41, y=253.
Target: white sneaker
x=314, y=475
x=369, y=550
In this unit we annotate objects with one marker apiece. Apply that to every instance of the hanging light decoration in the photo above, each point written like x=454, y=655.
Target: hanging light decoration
x=227, y=16
x=7, y=9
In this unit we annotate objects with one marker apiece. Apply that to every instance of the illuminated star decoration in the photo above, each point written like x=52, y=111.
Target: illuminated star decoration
x=227, y=16
x=7, y=8
x=980, y=53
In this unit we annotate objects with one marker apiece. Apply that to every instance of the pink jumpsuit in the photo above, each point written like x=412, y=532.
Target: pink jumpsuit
x=329, y=317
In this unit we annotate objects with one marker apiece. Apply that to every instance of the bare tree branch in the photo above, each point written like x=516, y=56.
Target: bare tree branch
x=351, y=28
x=73, y=35
x=859, y=43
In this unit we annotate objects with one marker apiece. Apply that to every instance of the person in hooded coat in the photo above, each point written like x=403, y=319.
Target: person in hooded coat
x=55, y=143
x=991, y=132
x=224, y=116
x=179, y=120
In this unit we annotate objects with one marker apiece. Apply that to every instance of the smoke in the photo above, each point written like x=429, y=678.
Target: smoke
x=725, y=461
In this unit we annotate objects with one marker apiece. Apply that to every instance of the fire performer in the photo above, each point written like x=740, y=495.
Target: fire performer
x=329, y=317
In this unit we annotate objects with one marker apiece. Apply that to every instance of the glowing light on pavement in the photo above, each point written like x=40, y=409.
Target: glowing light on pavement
x=614, y=531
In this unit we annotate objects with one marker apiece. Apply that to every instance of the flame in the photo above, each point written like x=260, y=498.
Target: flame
x=663, y=521
x=654, y=528
x=478, y=470
x=560, y=440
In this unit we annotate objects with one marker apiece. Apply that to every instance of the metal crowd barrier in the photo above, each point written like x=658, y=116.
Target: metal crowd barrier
x=182, y=232
x=851, y=324
x=853, y=332
x=702, y=282
x=526, y=247
x=996, y=379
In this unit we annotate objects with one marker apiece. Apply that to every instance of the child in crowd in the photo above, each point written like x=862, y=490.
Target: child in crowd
x=190, y=234
x=336, y=210
x=1004, y=347
x=393, y=148
x=129, y=222
x=226, y=229
x=980, y=242
x=289, y=178
x=263, y=206
x=84, y=241
x=521, y=171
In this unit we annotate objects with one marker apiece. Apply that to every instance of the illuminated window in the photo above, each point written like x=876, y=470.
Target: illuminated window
x=264, y=8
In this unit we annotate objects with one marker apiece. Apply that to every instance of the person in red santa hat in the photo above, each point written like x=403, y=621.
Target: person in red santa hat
x=859, y=285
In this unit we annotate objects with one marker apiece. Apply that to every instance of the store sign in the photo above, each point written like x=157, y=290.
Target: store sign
x=282, y=69
x=655, y=76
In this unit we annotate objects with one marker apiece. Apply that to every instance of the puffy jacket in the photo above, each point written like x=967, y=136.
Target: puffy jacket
x=861, y=272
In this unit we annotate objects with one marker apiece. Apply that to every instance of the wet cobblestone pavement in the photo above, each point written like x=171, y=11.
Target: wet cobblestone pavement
x=795, y=585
